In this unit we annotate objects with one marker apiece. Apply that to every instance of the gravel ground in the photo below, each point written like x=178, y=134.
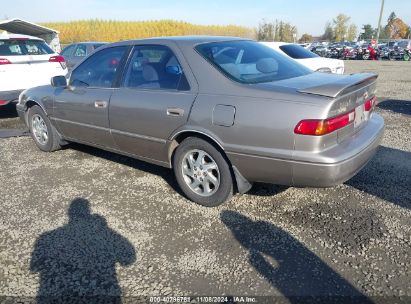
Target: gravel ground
x=82, y=221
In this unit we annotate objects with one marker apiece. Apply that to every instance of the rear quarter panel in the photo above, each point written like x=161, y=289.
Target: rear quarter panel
x=263, y=132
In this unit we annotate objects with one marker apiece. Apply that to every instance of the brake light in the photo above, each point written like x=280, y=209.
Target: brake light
x=60, y=59
x=319, y=127
x=4, y=61
x=3, y=102
x=369, y=104
x=57, y=58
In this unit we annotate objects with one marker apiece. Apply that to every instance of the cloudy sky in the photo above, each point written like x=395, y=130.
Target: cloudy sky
x=308, y=15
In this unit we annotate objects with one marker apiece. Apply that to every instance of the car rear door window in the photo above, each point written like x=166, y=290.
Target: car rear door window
x=100, y=69
x=80, y=51
x=154, y=67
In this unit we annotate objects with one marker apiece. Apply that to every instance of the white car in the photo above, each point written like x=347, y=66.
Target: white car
x=26, y=62
x=307, y=58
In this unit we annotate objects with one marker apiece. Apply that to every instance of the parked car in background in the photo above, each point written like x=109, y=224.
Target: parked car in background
x=400, y=50
x=26, y=62
x=305, y=45
x=320, y=49
x=222, y=112
x=74, y=53
x=308, y=58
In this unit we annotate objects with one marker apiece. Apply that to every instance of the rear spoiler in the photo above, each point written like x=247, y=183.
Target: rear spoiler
x=344, y=85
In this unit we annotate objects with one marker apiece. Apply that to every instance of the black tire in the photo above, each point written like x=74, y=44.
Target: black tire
x=225, y=190
x=53, y=141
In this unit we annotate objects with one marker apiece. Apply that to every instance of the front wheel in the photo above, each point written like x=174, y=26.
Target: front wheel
x=202, y=172
x=406, y=57
x=43, y=133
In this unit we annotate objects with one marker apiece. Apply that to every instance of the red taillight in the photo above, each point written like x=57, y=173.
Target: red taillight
x=319, y=127
x=369, y=104
x=3, y=102
x=4, y=61
x=57, y=58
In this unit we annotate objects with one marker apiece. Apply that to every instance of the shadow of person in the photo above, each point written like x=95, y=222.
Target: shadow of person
x=76, y=262
x=289, y=266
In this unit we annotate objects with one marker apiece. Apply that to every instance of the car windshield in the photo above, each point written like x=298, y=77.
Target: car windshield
x=297, y=52
x=18, y=47
x=250, y=61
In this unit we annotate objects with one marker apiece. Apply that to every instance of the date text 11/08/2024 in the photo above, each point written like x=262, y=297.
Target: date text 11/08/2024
x=203, y=299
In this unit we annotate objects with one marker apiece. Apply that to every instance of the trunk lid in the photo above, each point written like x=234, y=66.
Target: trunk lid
x=339, y=94
x=340, y=86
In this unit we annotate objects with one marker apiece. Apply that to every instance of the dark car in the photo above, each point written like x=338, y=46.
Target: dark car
x=74, y=53
x=222, y=112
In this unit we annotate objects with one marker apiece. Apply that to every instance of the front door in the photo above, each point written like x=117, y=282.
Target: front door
x=154, y=99
x=81, y=109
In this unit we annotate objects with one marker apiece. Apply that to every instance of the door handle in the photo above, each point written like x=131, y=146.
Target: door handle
x=175, y=112
x=100, y=104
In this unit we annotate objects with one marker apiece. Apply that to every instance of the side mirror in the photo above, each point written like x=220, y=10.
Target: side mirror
x=59, y=81
x=174, y=70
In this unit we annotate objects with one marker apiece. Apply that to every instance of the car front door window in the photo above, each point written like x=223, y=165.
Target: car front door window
x=99, y=70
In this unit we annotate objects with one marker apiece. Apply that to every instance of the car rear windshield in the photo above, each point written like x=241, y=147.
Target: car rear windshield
x=18, y=47
x=250, y=62
x=297, y=52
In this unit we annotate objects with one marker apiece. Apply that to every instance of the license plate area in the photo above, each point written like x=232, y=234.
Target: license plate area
x=359, y=116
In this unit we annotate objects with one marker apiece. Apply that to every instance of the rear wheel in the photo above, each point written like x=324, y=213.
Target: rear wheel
x=202, y=172
x=43, y=133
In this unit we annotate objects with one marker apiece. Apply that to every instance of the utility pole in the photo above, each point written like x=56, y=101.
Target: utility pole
x=379, y=20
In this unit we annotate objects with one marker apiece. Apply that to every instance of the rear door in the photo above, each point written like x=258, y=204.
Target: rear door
x=154, y=100
x=81, y=109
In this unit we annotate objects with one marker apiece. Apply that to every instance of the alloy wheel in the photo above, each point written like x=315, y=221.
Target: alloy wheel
x=200, y=172
x=39, y=128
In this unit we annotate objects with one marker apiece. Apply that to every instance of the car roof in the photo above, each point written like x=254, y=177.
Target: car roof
x=182, y=40
x=88, y=42
x=5, y=36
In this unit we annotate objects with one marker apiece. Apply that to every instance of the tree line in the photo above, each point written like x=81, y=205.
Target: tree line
x=395, y=28
x=338, y=29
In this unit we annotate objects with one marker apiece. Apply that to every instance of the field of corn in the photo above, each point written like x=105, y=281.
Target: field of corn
x=110, y=31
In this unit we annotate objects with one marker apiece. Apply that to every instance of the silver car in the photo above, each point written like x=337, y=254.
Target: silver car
x=222, y=112
x=74, y=53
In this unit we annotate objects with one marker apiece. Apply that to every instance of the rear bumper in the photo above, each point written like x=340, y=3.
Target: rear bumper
x=359, y=149
x=9, y=96
x=325, y=169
